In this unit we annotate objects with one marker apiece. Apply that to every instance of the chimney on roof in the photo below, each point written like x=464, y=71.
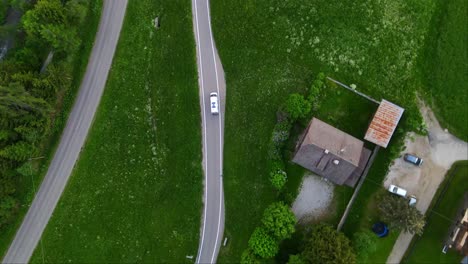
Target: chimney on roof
x=326, y=151
x=336, y=162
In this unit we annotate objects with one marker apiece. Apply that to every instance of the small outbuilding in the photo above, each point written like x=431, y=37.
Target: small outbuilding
x=331, y=153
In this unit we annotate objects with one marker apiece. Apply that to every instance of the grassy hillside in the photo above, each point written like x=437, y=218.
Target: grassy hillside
x=445, y=66
x=135, y=194
x=272, y=48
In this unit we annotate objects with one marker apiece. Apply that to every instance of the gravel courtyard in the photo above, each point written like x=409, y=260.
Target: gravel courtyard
x=314, y=199
x=440, y=150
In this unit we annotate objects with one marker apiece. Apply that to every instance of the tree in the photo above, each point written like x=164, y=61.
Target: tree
x=262, y=244
x=278, y=179
x=397, y=212
x=16, y=103
x=248, y=257
x=364, y=243
x=325, y=245
x=8, y=206
x=297, y=107
x=279, y=220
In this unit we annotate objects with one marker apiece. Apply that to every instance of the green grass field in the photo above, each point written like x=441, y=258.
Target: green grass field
x=27, y=186
x=284, y=44
x=445, y=68
x=135, y=193
x=428, y=248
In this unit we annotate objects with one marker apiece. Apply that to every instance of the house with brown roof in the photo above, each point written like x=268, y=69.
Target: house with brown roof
x=331, y=153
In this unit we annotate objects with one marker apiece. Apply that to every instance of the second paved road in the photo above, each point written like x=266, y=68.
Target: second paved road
x=211, y=79
x=74, y=135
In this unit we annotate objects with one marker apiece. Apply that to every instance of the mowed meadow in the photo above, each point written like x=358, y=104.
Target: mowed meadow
x=270, y=49
x=136, y=192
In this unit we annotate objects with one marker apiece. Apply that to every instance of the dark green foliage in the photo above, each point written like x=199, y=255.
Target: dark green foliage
x=279, y=220
x=397, y=212
x=296, y=259
x=297, y=106
x=29, y=100
x=248, y=257
x=262, y=244
x=364, y=243
x=325, y=245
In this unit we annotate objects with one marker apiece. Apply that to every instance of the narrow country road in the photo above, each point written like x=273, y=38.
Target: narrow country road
x=211, y=79
x=74, y=135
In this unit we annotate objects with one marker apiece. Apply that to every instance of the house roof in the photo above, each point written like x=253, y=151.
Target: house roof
x=334, y=140
x=384, y=123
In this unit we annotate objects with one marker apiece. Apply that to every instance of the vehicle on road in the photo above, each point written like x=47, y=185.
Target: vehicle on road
x=397, y=190
x=413, y=159
x=214, y=105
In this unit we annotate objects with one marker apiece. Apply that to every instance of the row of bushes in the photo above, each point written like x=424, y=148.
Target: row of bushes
x=278, y=222
x=29, y=98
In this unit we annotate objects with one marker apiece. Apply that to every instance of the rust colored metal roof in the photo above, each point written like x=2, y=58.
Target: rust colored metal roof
x=384, y=123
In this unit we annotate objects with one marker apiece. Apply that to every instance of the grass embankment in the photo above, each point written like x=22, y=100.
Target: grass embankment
x=284, y=44
x=448, y=200
x=135, y=194
x=27, y=186
x=445, y=68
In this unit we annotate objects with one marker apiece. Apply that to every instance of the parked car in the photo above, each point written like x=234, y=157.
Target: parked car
x=412, y=200
x=413, y=159
x=214, y=103
x=397, y=190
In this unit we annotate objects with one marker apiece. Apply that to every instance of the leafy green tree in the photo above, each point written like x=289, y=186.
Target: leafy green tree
x=53, y=24
x=44, y=14
x=325, y=245
x=296, y=259
x=262, y=244
x=248, y=257
x=279, y=220
x=278, y=179
x=297, y=107
x=364, y=243
x=397, y=212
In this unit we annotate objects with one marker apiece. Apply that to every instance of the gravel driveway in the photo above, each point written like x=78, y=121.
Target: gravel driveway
x=440, y=150
x=314, y=199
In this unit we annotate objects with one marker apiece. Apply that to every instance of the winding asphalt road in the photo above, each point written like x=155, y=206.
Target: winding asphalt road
x=211, y=79
x=74, y=135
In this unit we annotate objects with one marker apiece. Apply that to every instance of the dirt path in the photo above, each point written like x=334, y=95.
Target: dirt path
x=440, y=150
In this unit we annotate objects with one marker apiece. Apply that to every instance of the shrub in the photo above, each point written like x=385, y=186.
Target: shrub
x=262, y=244
x=248, y=257
x=278, y=179
x=279, y=220
x=295, y=259
x=364, y=243
x=297, y=107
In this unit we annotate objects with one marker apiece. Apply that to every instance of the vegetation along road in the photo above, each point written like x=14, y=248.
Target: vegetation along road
x=74, y=135
x=211, y=79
